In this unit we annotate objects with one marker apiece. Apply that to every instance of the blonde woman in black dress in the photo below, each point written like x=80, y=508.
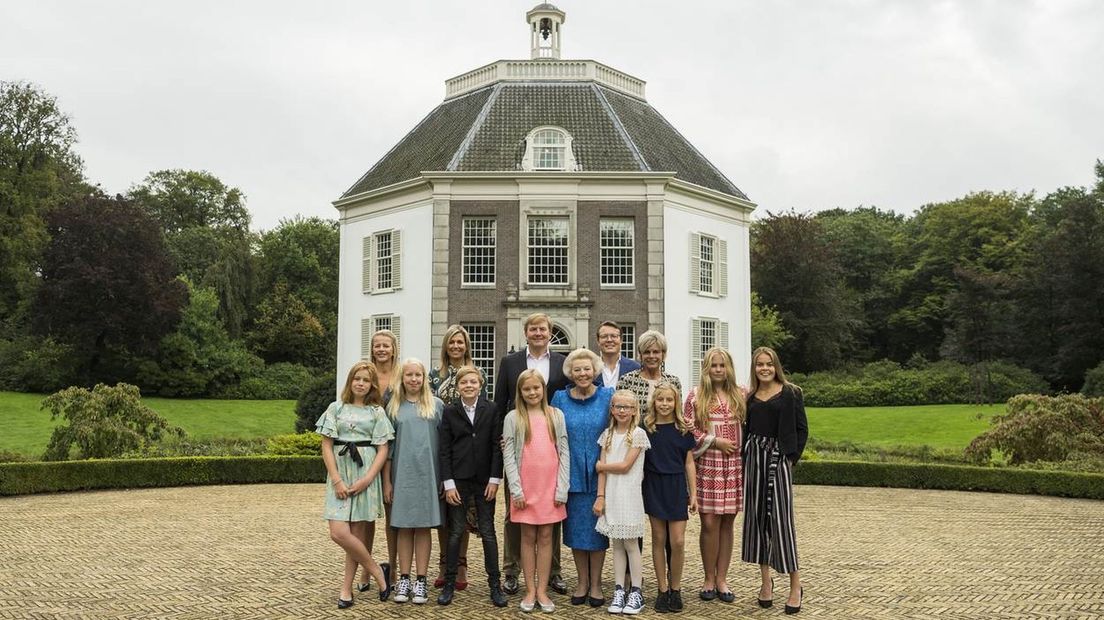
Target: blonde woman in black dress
x=774, y=438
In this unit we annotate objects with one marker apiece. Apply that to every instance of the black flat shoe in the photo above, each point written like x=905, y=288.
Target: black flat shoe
x=385, y=592
x=596, y=602
x=800, y=596
x=726, y=597
x=765, y=603
x=344, y=604
x=707, y=595
x=579, y=600
x=364, y=587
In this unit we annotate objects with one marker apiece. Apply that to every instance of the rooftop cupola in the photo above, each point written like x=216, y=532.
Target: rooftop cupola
x=545, y=22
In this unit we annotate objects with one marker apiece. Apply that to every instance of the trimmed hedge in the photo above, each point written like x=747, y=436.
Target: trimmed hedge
x=951, y=478
x=49, y=477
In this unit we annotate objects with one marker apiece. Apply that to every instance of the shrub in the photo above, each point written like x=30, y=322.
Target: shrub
x=1094, y=382
x=35, y=364
x=174, y=445
x=1043, y=428
x=46, y=477
x=313, y=400
x=103, y=422
x=281, y=381
x=886, y=383
x=301, y=444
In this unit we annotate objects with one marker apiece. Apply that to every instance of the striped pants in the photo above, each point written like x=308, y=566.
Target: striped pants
x=769, y=535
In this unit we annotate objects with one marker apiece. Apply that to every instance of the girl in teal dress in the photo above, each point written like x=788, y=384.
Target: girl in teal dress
x=355, y=432
x=411, y=480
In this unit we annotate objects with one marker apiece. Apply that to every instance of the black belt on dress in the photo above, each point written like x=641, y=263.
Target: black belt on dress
x=355, y=454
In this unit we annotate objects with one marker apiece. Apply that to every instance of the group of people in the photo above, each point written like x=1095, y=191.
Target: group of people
x=595, y=449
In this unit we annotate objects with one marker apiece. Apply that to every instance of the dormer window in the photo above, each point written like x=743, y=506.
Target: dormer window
x=548, y=148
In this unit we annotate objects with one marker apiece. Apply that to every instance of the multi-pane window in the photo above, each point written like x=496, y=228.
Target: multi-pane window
x=558, y=340
x=705, y=276
x=483, y=349
x=547, y=250
x=708, y=265
x=479, y=250
x=382, y=261
x=628, y=341
x=705, y=333
x=616, y=249
x=373, y=324
x=548, y=150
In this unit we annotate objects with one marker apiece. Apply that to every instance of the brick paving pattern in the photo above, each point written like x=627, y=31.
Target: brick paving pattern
x=263, y=552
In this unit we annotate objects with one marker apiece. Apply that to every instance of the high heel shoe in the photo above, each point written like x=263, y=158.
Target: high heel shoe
x=385, y=591
x=765, y=603
x=800, y=596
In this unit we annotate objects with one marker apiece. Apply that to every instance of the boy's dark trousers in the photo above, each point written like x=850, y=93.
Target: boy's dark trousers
x=472, y=491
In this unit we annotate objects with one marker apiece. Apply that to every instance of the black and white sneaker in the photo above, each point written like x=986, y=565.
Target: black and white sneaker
x=618, y=603
x=421, y=592
x=402, y=589
x=635, y=603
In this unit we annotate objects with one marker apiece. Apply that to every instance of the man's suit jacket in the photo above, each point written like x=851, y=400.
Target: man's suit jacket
x=470, y=451
x=624, y=365
x=512, y=366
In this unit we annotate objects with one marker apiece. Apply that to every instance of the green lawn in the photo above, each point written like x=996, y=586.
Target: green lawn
x=938, y=426
x=25, y=429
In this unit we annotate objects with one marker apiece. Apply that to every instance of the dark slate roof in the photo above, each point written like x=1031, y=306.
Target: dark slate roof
x=485, y=131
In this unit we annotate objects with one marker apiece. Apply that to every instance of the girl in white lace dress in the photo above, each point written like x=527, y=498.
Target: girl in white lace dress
x=621, y=518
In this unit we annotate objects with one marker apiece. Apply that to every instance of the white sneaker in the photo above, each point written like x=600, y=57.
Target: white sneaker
x=421, y=592
x=402, y=590
x=635, y=604
x=618, y=604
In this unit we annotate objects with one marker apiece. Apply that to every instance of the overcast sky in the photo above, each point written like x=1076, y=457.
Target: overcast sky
x=804, y=105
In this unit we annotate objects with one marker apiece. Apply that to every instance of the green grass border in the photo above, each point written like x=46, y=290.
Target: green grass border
x=52, y=477
x=951, y=478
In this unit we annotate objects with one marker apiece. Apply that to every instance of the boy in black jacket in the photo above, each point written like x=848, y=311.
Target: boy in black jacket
x=471, y=471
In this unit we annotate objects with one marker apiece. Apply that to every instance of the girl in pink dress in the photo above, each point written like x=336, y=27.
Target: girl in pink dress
x=716, y=410
x=536, y=462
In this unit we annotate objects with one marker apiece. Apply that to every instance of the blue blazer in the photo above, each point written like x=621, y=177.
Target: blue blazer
x=624, y=365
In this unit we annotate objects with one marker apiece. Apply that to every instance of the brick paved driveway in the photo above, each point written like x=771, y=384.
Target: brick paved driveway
x=262, y=552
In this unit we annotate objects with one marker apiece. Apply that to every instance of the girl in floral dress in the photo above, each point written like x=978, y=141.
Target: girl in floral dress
x=355, y=432
x=716, y=409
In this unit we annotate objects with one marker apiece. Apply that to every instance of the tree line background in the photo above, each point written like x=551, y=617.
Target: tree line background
x=166, y=286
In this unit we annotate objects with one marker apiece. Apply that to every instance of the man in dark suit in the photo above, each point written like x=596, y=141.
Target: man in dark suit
x=471, y=472
x=538, y=333
x=613, y=363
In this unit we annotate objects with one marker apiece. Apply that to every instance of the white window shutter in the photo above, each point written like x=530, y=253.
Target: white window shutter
x=366, y=278
x=722, y=267
x=366, y=331
x=396, y=259
x=722, y=327
x=695, y=263
x=396, y=328
x=695, y=351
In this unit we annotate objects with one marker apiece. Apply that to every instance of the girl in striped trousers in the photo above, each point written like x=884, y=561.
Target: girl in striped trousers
x=774, y=437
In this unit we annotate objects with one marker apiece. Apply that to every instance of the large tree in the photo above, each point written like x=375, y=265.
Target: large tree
x=181, y=199
x=109, y=287
x=795, y=270
x=38, y=170
x=302, y=254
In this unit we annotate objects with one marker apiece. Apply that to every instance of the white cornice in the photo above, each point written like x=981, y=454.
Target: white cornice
x=544, y=70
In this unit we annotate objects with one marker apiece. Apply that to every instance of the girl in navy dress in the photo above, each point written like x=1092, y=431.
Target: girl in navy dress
x=669, y=493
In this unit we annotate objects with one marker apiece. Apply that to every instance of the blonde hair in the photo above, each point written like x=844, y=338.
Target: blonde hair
x=707, y=395
x=394, y=343
x=635, y=422
x=468, y=370
x=522, y=408
x=452, y=331
x=585, y=353
x=649, y=339
x=538, y=317
x=373, y=396
x=779, y=374
x=650, y=415
x=423, y=399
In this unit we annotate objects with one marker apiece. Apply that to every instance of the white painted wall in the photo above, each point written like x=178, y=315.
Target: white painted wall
x=679, y=220
x=411, y=302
